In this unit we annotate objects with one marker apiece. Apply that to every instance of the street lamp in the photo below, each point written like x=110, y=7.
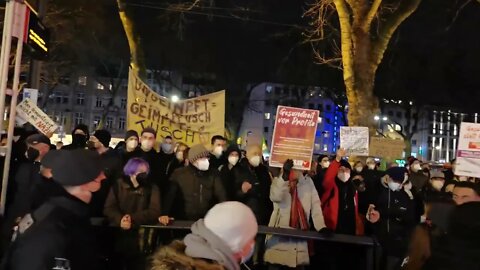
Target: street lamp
x=175, y=98
x=376, y=117
x=385, y=118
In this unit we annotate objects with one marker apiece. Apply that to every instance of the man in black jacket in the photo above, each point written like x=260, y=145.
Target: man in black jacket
x=80, y=136
x=194, y=189
x=57, y=234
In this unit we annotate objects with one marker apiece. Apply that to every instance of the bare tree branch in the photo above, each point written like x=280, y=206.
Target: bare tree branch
x=372, y=13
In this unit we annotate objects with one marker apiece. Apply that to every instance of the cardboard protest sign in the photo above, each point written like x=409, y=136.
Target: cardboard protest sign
x=294, y=137
x=35, y=116
x=468, y=153
x=386, y=148
x=191, y=121
x=354, y=140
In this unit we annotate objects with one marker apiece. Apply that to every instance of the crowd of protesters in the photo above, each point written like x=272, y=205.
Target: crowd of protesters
x=422, y=217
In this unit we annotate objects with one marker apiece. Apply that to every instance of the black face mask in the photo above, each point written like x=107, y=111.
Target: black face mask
x=142, y=178
x=32, y=154
x=79, y=139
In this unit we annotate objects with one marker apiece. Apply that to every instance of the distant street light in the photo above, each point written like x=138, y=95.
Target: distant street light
x=377, y=118
x=175, y=98
x=385, y=118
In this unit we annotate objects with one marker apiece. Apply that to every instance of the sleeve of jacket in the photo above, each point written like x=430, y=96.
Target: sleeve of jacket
x=317, y=214
x=329, y=180
x=112, y=210
x=149, y=215
x=170, y=195
x=240, y=177
x=278, y=190
x=219, y=189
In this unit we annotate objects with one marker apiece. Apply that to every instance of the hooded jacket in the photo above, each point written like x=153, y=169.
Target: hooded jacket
x=331, y=200
x=200, y=250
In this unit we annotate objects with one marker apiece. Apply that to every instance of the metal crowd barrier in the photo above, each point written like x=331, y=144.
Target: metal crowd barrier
x=370, y=245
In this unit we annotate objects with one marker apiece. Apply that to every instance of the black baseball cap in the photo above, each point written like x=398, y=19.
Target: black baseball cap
x=37, y=138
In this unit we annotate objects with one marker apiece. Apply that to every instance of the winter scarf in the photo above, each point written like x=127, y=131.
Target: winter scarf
x=203, y=243
x=298, y=219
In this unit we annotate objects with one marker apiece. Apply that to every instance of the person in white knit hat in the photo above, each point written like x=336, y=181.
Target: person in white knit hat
x=224, y=239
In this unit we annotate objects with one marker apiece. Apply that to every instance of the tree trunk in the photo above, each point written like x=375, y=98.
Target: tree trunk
x=408, y=147
x=137, y=57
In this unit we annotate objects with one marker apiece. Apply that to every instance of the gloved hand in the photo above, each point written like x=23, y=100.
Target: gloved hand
x=287, y=167
x=326, y=232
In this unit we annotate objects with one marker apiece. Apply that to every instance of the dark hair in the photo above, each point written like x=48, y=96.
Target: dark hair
x=133, y=164
x=217, y=137
x=169, y=137
x=465, y=184
x=149, y=130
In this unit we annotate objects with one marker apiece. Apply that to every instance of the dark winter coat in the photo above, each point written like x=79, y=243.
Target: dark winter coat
x=192, y=193
x=258, y=197
x=62, y=234
x=141, y=203
x=397, y=220
x=228, y=181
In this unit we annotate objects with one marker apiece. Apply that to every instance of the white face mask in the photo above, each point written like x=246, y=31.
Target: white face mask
x=147, y=145
x=233, y=160
x=437, y=185
x=343, y=176
x=325, y=164
x=416, y=167
x=394, y=186
x=132, y=144
x=218, y=151
x=179, y=155
x=166, y=148
x=202, y=164
x=371, y=166
x=250, y=254
x=254, y=161
x=359, y=169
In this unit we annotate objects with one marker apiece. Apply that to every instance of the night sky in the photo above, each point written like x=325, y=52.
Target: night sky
x=432, y=59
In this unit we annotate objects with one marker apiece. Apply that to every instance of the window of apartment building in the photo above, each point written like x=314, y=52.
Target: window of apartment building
x=268, y=89
x=98, y=102
x=123, y=103
x=265, y=129
x=121, y=123
x=328, y=108
x=65, y=98
x=82, y=80
x=78, y=118
x=267, y=116
x=414, y=142
x=80, y=98
x=320, y=107
x=58, y=97
x=96, y=121
x=399, y=114
x=100, y=86
x=278, y=90
x=109, y=122
x=325, y=148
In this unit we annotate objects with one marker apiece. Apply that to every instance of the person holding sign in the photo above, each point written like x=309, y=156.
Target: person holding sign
x=340, y=198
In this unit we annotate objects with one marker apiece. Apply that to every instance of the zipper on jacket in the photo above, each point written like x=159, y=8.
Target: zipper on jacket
x=201, y=193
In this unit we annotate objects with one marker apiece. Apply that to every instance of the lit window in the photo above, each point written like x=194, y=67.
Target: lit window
x=268, y=89
x=398, y=128
x=100, y=86
x=96, y=121
x=82, y=80
x=325, y=148
x=319, y=120
x=267, y=116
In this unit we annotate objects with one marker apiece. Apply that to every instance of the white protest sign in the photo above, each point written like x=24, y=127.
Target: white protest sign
x=35, y=116
x=354, y=140
x=468, y=154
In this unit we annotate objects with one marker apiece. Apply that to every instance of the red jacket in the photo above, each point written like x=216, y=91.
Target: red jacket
x=330, y=202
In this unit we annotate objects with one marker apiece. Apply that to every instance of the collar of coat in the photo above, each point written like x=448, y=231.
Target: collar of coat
x=173, y=257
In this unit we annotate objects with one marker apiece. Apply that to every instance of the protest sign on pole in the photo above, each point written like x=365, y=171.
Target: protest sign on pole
x=191, y=121
x=35, y=116
x=294, y=137
x=468, y=153
x=354, y=140
x=386, y=148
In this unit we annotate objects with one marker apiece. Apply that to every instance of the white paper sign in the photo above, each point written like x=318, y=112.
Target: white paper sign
x=35, y=116
x=354, y=140
x=468, y=153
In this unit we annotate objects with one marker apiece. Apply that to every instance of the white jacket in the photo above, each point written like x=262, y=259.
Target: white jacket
x=286, y=251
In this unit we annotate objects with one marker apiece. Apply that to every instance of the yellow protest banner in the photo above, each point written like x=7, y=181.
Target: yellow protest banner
x=191, y=121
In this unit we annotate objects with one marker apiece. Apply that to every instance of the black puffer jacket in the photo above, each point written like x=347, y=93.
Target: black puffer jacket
x=192, y=193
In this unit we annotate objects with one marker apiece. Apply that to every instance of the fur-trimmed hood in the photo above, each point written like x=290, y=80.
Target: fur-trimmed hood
x=173, y=257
